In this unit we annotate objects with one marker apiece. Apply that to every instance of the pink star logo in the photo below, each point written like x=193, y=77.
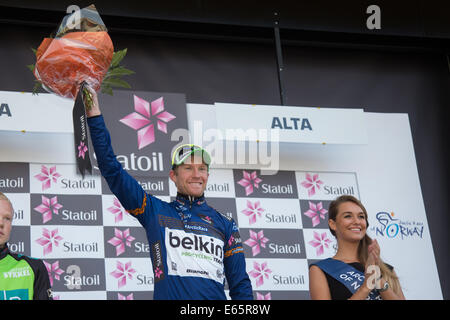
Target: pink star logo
x=311, y=183
x=117, y=210
x=230, y=241
x=253, y=210
x=48, y=207
x=54, y=271
x=140, y=120
x=249, y=181
x=315, y=212
x=82, y=148
x=123, y=272
x=260, y=272
x=256, y=241
x=120, y=239
x=49, y=238
x=47, y=176
x=158, y=272
x=319, y=242
x=123, y=297
x=260, y=296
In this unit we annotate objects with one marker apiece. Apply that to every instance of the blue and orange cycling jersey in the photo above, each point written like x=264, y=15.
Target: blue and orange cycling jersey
x=193, y=247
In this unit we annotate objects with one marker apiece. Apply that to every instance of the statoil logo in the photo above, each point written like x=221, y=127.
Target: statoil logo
x=123, y=272
x=50, y=177
x=141, y=120
x=51, y=207
x=72, y=276
x=120, y=239
x=249, y=181
x=11, y=182
x=52, y=239
x=320, y=242
x=254, y=211
x=260, y=272
x=316, y=212
x=47, y=176
x=313, y=184
x=49, y=240
x=259, y=241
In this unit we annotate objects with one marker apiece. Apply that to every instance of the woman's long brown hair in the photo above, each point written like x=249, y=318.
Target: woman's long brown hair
x=363, y=253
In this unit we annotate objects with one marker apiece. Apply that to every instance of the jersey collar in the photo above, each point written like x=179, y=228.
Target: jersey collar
x=4, y=251
x=186, y=200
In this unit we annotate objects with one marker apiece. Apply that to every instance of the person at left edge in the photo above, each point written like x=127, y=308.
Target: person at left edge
x=193, y=247
x=21, y=277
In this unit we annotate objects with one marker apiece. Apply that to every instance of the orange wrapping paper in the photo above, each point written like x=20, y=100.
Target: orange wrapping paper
x=64, y=63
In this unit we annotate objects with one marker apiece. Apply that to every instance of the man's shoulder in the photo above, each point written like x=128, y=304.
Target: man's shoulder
x=34, y=263
x=225, y=218
x=20, y=256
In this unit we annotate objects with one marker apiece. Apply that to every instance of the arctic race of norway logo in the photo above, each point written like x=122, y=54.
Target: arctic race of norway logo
x=141, y=120
x=394, y=228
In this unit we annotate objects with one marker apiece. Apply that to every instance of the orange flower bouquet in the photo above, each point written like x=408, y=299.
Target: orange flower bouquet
x=80, y=54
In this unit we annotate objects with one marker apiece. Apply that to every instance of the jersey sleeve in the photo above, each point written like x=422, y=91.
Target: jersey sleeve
x=129, y=192
x=41, y=286
x=235, y=267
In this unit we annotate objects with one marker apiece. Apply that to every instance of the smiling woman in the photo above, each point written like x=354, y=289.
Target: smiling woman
x=356, y=272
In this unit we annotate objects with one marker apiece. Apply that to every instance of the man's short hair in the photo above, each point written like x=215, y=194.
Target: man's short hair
x=183, y=152
x=5, y=198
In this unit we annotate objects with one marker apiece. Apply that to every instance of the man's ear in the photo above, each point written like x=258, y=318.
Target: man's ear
x=172, y=175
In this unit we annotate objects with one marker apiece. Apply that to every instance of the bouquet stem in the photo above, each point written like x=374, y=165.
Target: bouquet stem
x=87, y=98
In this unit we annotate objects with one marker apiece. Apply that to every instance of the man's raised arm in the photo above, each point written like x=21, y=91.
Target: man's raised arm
x=125, y=188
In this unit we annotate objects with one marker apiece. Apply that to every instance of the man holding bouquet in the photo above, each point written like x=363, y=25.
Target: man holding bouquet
x=193, y=247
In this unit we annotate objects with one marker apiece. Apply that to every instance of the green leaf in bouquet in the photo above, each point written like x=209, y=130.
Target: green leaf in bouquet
x=116, y=82
x=37, y=87
x=117, y=57
x=107, y=89
x=31, y=67
x=118, y=71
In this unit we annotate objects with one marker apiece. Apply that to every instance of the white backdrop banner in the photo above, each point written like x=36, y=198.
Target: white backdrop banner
x=282, y=217
x=43, y=112
x=292, y=124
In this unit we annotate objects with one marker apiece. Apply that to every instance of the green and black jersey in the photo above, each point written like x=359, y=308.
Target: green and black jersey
x=22, y=277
